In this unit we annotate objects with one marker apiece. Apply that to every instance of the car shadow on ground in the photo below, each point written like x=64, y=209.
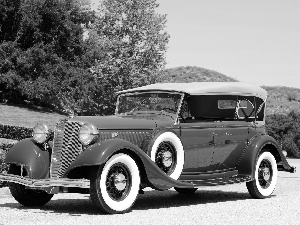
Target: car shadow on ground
x=169, y=199
x=149, y=200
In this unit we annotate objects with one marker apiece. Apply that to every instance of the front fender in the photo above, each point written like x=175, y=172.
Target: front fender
x=34, y=158
x=247, y=163
x=101, y=152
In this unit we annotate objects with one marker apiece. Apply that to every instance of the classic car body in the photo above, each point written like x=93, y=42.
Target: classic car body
x=181, y=135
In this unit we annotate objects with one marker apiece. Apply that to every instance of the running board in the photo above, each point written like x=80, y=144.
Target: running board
x=207, y=175
x=218, y=181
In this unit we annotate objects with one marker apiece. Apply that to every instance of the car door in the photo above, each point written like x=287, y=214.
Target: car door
x=230, y=139
x=197, y=140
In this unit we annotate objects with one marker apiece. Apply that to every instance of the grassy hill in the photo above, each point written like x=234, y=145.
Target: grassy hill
x=23, y=116
x=282, y=100
x=192, y=74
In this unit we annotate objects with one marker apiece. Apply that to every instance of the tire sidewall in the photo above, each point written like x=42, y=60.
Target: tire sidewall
x=265, y=192
x=175, y=141
x=124, y=205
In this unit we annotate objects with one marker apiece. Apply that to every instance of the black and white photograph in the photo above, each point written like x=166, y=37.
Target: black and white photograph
x=149, y=112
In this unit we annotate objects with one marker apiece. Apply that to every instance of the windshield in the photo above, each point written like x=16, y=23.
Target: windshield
x=148, y=103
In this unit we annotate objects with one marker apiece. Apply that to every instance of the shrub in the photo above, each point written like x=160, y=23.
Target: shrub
x=15, y=132
x=4, y=147
x=289, y=145
x=291, y=96
x=286, y=130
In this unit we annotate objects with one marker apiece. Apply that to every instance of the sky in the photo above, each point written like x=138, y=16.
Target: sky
x=256, y=41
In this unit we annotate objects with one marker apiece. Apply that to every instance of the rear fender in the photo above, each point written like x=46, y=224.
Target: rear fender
x=101, y=152
x=247, y=162
x=33, y=157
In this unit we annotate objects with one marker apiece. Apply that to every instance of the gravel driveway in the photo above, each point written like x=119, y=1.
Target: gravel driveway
x=229, y=204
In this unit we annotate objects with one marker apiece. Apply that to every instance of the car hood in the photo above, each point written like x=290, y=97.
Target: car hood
x=126, y=122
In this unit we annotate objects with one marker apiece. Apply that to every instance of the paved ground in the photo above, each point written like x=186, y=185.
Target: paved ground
x=229, y=204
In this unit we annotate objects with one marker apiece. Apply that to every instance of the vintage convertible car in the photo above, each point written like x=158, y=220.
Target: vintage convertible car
x=164, y=135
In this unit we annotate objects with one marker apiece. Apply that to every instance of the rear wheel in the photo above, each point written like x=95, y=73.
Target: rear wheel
x=115, y=185
x=27, y=197
x=185, y=191
x=265, y=176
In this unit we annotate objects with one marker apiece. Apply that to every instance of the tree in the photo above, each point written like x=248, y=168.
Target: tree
x=131, y=37
x=45, y=59
x=286, y=130
x=9, y=19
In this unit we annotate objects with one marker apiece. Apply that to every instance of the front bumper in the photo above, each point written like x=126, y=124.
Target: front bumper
x=45, y=183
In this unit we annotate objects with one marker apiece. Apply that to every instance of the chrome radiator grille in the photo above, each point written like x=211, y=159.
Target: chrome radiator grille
x=66, y=147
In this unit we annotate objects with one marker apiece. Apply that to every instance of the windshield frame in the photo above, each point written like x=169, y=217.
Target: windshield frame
x=152, y=92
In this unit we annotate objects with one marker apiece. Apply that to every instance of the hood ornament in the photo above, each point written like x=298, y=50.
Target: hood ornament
x=71, y=113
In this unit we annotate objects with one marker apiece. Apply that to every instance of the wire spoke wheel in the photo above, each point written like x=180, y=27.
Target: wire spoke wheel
x=118, y=182
x=115, y=185
x=166, y=150
x=265, y=176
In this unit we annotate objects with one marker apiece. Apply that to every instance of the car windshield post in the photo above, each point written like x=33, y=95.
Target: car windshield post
x=179, y=109
x=117, y=105
x=255, y=110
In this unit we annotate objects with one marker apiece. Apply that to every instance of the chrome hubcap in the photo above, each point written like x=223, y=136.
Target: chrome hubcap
x=118, y=182
x=165, y=157
x=265, y=174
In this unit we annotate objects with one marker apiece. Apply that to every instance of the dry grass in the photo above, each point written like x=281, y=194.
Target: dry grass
x=26, y=117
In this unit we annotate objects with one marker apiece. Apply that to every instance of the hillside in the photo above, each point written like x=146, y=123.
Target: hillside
x=192, y=74
x=281, y=100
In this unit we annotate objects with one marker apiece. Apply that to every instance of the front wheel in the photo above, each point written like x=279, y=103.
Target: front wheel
x=27, y=197
x=265, y=176
x=114, y=187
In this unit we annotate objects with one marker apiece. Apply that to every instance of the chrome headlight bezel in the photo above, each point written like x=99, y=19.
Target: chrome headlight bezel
x=88, y=134
x=41, y=133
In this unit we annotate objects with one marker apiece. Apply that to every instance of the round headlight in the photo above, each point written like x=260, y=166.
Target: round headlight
x=41, y=133
x=88, y=133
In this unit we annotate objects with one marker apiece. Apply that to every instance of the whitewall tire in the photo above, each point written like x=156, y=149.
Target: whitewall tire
x=115, y=186
x=265, y=177
x=167, y=152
